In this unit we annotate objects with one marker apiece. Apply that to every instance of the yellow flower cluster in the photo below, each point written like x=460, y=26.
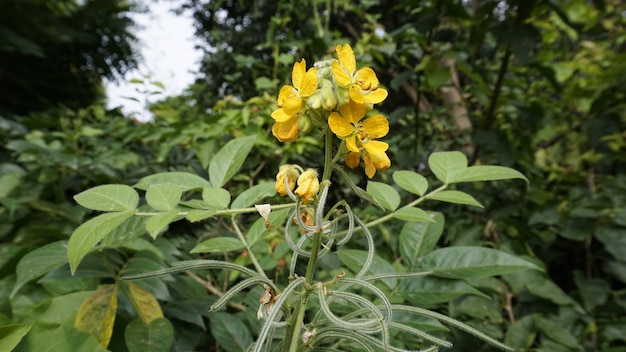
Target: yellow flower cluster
x=342, y=95
x=290, y=175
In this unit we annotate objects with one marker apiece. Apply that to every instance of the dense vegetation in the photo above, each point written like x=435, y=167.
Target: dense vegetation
x=533, y=85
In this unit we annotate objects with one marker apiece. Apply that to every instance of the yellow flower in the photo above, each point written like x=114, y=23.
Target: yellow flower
x=289, y=172
x=362, y=84
x=286, y=131
x=308, y=185
x=348, y=126
x=361, y=135
x=375, y=162
x=290, y=97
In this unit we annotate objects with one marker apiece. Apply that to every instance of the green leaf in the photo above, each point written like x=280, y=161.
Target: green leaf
x=97, y=314
x=229, y=159
x=258, y=229
x=157, y=336
x=446, y=165
x=87, y=235
x=230, y=332
x=253, y=195
x=158, y=223
x=411, y=181
x=218, y=245
x=469, y=262
x=199, y=215
x=384, y=194
x=487, y=173
x=520, y=334
x=413, y=214
x=358, y=190
x=186, y=181
x=217, y=198
x=163, y=197
x=38, y=262
x=355, y=259
x=419, y=238
x=432, y=290
x=557, y=333
x=109, y=198
x=11, y=335
x=456, y=197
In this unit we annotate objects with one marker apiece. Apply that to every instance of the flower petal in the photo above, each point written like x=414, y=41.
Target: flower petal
x=375, y=96
x=297, y=73
x=286, y=131
x=346, y=57
x=309, y=83
x=375, y=147
x=366, y=79
x=340, y=125
x=280, y=115
x=351, y=144
x=376, y=126
x=380, y=161
x=370, y=170
x=353, y=159
x=284, y=93
x=356, y=95
x=342, y=78
x=292, y=105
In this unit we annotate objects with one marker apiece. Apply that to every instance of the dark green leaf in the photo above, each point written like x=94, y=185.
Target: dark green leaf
x=154, y=337
x=218, y=245
x=355, y=259
x=39, y=262
x=11, y=335
x=230, y=332
x=468, y=262
x=431, y=290
x=419, y=238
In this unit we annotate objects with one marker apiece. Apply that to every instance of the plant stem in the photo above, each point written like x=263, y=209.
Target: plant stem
x=222, y=212
x=296, y=322
x=251, y=255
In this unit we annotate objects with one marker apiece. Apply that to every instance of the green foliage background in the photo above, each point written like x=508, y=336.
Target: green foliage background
x=534, y=85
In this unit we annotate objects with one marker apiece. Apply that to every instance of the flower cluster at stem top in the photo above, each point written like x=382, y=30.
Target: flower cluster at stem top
x=335, y=94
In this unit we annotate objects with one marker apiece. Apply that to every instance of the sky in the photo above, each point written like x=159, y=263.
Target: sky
x=166, y=43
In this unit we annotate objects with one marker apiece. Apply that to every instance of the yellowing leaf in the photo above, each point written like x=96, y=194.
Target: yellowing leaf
x=97, y=314
x=146, y=302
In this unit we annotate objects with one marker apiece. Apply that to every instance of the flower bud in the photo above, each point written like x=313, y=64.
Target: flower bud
x=314, y=101
x=308, y=185
x=304, y=123
x=329, y=101
x=286, y=176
